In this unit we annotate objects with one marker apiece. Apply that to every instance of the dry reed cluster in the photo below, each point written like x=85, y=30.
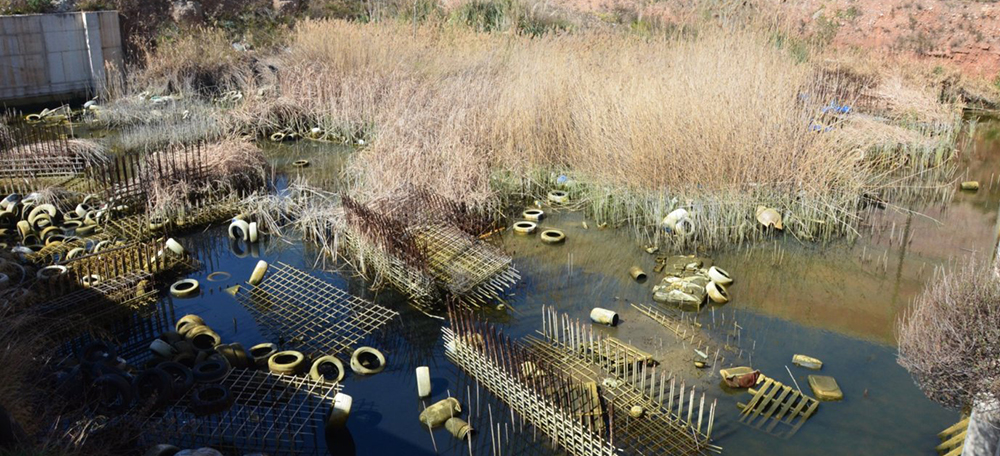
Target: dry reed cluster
x=716, y=123
x=948, y=340
x=229, y=165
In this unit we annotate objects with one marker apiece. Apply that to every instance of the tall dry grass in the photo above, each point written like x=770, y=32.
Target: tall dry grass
x=642, y=124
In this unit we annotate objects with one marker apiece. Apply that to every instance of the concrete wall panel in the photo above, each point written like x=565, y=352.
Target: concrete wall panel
x=56, y=55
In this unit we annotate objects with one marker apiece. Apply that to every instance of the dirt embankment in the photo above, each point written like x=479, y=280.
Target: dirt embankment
x=965, y=34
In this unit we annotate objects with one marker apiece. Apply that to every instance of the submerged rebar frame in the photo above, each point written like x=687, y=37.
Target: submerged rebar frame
x=427, y=247
x=268, y=413
x=669, y=425
x=550, y=400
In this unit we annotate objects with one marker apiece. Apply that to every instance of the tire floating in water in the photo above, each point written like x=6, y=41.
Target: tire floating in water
x=553, y=236
x=525, y=228
x=184, y=288
x=367, y=361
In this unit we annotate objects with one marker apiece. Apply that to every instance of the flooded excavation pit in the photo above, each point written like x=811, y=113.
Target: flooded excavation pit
x=615, y=331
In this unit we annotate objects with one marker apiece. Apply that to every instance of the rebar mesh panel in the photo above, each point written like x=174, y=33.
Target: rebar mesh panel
x=670, y=425
x=371, y=261
x=460, y=262
x=419, y=206
x=309, y=313
x=550, y=413
x=269, y=413
x=131, y=334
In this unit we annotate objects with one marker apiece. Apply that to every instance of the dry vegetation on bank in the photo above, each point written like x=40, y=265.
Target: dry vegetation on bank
x=642, y=125
x=718, y=119
x=948, y=340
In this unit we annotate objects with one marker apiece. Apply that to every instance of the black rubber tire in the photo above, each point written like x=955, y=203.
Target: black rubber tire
x=186, y=359
x=210, y=399
x=243, y=359
x=205, y=355
x=205, y=340
x=185, y=347
x=189, y=331
x=70, y=384
x=288, y=362
x=97, y=370
x=156, y=360
x=162, y=450
x=153, y=386
x=112, y=393
x=188, y=321
x=211, y=371
x=183, y=378
x=234, y=354
x=171, y=337
x=261, y=353
x=98, y=351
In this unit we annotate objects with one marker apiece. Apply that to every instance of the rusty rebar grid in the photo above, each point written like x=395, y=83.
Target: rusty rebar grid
x=130, y=332
x=670, y=425
x=309, y=313
x=268, y=413
x=693, y=335
x=465, y=266
x=427, y=247
x=568, y=411
x=93, y=308
x=29, y=155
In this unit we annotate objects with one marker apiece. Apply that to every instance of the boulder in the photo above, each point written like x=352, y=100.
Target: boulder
x=187, y=12
x=285, y=6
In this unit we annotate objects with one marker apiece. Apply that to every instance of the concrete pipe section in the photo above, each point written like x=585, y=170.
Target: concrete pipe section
x=604, y=316
x=423, y=381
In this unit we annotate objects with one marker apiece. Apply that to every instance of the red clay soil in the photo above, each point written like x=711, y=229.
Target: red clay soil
x=963, y=34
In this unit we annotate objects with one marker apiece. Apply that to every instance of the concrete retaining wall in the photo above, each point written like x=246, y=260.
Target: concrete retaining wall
x=44, y=57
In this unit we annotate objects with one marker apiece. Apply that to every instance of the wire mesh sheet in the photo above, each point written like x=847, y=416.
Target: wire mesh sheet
x=462, y=263
x=310, y=314
x=269, y=413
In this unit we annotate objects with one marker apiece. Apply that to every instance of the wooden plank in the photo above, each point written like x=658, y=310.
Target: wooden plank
x=798, y=409
x=760, y=393
x=957, y=427
x=809, y=412
x=776, y=403
x=762, y=404
x=787, y=406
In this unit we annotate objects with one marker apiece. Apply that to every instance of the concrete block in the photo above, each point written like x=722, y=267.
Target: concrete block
x=6, y=75
x=36, y=69
x=17, y=70
x=45, y=55
x=114, y=56
x=8, y=46
x=32, y=43
x=75, y=66
x=52, y=23
x=7, y=25
x=28, y=24
x=56, y=72
x=65, y=41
